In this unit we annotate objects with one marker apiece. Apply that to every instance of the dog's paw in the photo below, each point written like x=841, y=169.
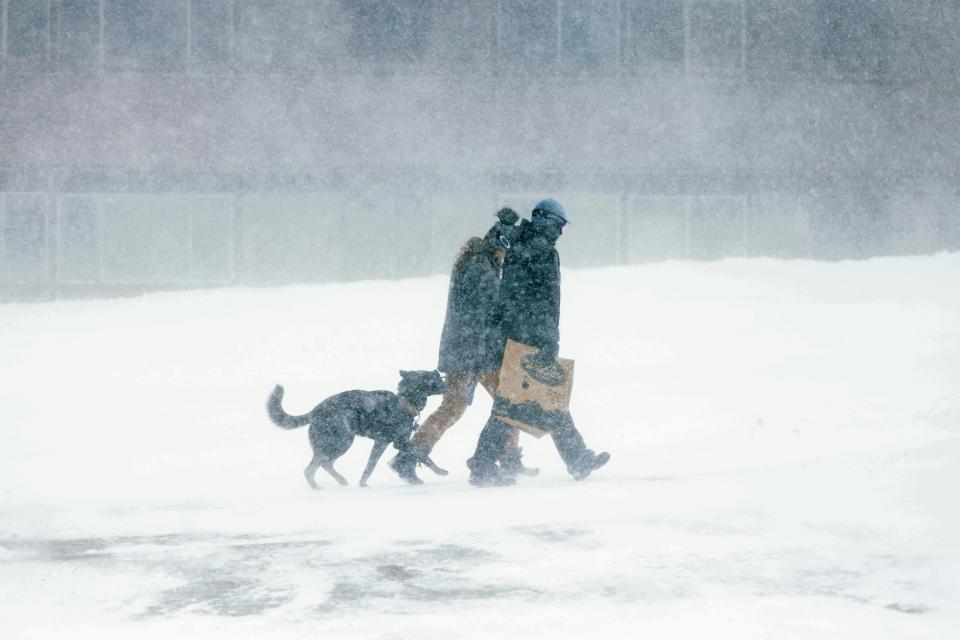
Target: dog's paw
x=343, y=482
x=441, y=472
x=363, y=483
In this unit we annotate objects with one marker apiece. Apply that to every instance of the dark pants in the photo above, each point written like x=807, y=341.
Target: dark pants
x=496, y=434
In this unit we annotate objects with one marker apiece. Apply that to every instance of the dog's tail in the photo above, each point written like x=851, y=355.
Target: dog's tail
x=280, y=417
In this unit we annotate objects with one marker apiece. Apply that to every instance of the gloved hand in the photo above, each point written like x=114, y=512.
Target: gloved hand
x=546, y=356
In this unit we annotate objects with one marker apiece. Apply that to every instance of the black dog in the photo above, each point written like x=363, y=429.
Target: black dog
x=381, y=415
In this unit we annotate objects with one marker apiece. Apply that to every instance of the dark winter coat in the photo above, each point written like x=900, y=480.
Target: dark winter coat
x=471, y=340
x=530, y=289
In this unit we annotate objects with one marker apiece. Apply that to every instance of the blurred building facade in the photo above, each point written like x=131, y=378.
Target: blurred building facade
x=150, y=144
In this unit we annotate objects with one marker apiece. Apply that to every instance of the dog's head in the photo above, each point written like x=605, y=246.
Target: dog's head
x=417, y=386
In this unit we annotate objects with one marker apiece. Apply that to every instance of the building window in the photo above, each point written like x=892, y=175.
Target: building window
x=780, y=36
x=777, y=225
x=856, y=36
x=23, y=238
x=655, y=32
x=78, y=241
x=715, y=35
x=305, y=237
x=211, y=23
x=389, y=30
x=589, y=33
x=28, y=28
x=145, y=240
x=146, y=32
x=211, y=237
x=717, y=228
x=657, y=229
x=78, y=25
x=528, y=33
x=285, y=34
x=462, y=32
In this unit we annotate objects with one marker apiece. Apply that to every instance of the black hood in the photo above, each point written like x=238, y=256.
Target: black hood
x=539, y=229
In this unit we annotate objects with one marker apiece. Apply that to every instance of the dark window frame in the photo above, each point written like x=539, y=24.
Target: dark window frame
x=43, y=213
x=194, y=36
x=520, y=62
x=63, y=278
x=679, y=208
x=636, y=48
x=482, y=20
x=157, y=59
x=95, y=59
x=759, y=38
x=419, y=29
x=846, y=49
x=608, y=60
x=693, y=63
x=43, y=58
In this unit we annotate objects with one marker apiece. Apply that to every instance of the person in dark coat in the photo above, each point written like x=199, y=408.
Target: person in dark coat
x=530, y=312
x=471, y=345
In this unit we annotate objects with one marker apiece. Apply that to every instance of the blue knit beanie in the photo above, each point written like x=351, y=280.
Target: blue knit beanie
x=551, y=207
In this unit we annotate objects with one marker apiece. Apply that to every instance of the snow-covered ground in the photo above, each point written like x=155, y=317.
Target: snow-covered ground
x=785, y=440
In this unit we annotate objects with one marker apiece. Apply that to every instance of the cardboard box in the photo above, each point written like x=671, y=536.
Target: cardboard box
x=522, y=382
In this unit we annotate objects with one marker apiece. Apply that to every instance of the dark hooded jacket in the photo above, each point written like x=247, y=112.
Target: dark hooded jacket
x=530, y=289
x=471, y=340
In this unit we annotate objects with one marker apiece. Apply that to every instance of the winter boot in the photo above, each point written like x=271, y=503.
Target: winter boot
x=587, y=463
x=487, y=474
x=405, y=464
x=511, y=464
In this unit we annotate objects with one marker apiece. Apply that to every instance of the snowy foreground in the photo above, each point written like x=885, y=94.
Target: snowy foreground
x=785, y=440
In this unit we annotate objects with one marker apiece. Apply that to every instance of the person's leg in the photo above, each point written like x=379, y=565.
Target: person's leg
x=490, y=381
x=511, y=461
x=566, y=438
x=483, y=465
x=452, y=407
x=492, y=440
x=573, y=451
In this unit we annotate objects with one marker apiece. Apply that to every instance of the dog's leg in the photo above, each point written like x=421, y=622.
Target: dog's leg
x=378, y=448
x=328, y=467
x=311, y=471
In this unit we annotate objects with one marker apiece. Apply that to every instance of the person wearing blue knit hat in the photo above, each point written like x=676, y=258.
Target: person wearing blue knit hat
x=530, y=314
